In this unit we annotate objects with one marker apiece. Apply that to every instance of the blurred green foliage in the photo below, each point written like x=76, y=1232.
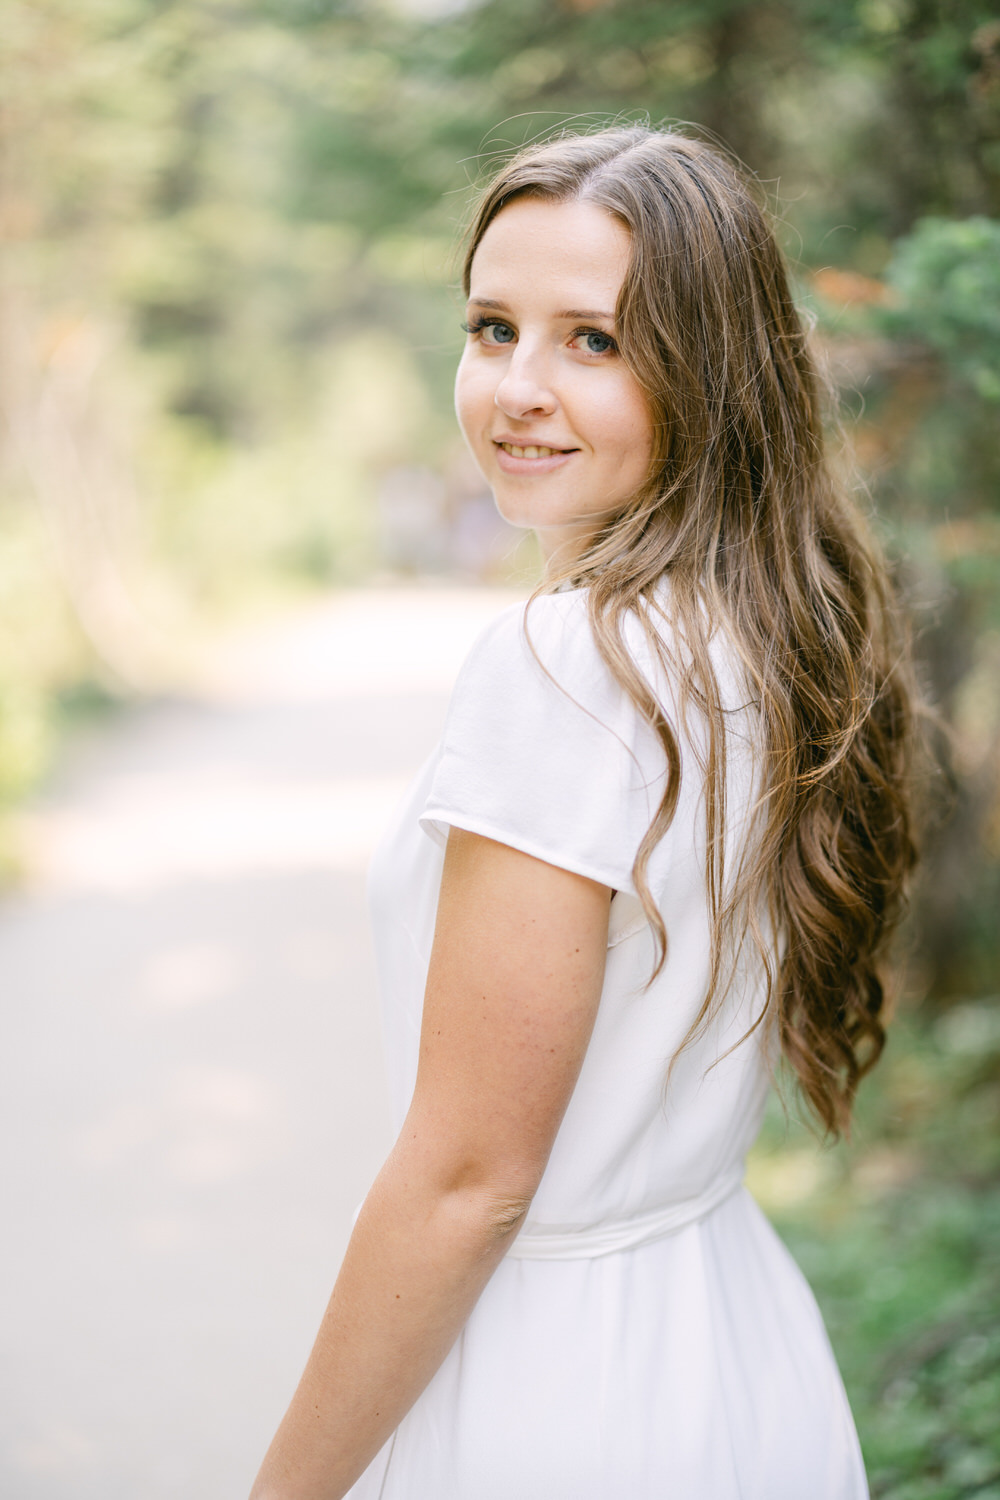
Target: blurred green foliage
x=946, y=273
x=899, y=1234
x=225, y=290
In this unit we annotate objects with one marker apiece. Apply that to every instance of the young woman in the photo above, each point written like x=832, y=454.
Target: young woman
x=662, y=841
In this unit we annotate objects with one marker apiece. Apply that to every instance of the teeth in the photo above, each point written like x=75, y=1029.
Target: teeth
x=516, y=452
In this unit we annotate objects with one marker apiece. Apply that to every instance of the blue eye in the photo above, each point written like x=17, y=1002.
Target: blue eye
x=597, y=342
x=500, y=333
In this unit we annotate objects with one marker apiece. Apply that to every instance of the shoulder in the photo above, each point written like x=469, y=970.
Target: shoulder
x=555, y=627
x=541, y=649
x=542, y=748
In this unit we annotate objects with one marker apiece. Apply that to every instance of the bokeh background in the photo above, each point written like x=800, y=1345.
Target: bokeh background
x=229, y=330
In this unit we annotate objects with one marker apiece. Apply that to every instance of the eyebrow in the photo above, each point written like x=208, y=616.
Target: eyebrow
x=568, y=313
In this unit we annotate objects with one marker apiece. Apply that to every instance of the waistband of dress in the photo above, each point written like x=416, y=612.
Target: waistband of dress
x=591, y=1240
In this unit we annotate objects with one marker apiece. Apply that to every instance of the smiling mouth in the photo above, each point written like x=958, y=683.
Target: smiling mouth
x=532, y=451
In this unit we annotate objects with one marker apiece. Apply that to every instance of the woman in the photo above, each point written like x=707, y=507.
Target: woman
x=663, y=838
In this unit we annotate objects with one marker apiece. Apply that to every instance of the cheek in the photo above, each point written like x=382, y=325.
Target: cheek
x=628, y=428
x=474, y=391
x=640, y=428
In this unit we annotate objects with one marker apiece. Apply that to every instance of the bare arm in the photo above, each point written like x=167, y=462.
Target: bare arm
x=512, y=992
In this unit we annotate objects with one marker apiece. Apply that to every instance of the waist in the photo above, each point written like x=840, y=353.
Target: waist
x=539, y=1242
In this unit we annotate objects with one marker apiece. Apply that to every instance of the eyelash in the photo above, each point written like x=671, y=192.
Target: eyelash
x=478, y=324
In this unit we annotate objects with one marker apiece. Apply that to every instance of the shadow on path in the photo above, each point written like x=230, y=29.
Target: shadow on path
x=191, y=1079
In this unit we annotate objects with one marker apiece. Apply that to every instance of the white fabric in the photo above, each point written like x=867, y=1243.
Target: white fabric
x=647, y=1335
x=587, y=1240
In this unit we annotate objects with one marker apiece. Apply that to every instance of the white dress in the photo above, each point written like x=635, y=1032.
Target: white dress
x=647, y=1335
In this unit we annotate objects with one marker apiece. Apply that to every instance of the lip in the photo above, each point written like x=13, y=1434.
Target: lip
x=508, y=463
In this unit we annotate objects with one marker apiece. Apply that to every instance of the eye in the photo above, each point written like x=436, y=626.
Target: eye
x=596, y=342
x=492, y=331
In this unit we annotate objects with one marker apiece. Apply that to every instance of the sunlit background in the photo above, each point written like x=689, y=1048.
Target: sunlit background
x=241, y=553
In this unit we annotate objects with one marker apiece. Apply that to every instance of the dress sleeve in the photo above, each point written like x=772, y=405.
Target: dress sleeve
x=542, y=749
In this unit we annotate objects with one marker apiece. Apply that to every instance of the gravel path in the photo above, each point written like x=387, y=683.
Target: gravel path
x=191, y=1080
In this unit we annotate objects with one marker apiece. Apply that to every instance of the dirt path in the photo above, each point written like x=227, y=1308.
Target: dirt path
x=190, y=1080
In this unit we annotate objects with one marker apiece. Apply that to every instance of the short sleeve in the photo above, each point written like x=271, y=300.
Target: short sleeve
x=543, y=750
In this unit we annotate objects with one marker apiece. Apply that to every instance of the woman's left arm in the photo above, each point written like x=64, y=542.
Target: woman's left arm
x=512, y=993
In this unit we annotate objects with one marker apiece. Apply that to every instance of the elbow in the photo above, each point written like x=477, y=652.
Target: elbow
x=498, y=1196
x=482, y=1212
x=482, y=1195
x=504, y=1213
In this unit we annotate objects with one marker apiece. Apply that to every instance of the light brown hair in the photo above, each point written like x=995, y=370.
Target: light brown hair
x=743, y=513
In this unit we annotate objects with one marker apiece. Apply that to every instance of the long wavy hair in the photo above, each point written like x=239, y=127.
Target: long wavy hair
x=745, y=515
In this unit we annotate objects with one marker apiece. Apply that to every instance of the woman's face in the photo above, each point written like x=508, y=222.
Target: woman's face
x=556, y=422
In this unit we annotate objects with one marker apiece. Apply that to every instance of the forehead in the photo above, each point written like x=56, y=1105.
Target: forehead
x=573, y=251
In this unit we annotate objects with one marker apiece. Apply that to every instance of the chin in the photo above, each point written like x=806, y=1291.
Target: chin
x=517, y=513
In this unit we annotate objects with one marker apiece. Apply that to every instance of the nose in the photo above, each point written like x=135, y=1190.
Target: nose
x=525, y=388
